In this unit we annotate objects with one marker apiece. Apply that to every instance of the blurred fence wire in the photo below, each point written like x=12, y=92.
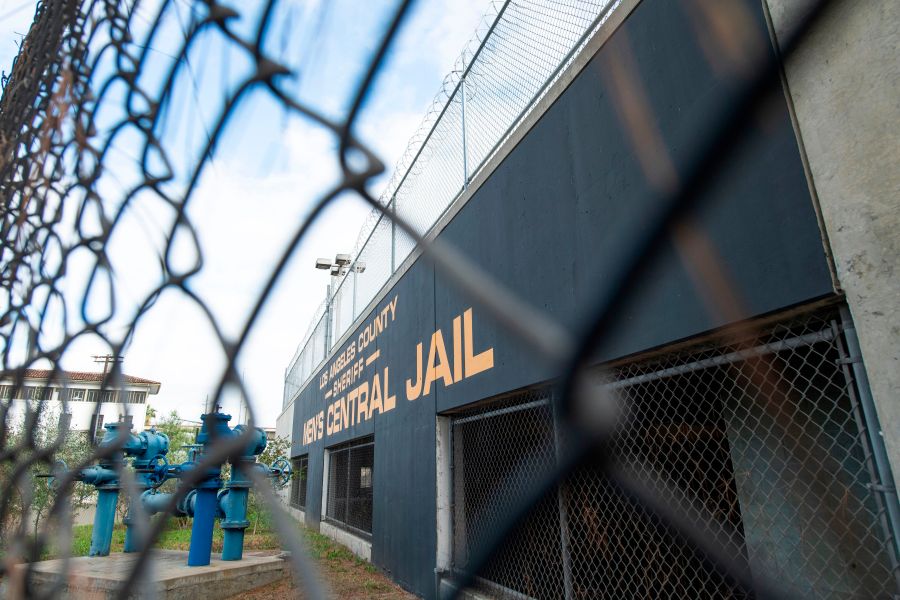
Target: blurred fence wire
x=89, y=84
x=518, y=52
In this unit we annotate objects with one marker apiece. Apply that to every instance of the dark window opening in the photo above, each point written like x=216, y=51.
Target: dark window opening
x=298, y=482
x=350, y=476
x=761, y=437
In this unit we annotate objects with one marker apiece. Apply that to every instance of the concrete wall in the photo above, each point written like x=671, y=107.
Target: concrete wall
x=284, y=425
x=844, y=85
x=83, y=412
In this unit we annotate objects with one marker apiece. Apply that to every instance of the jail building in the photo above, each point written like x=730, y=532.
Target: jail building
x=754, y=367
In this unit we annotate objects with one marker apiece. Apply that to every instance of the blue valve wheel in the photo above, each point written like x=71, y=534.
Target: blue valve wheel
x=281, y=472
x=159, y=467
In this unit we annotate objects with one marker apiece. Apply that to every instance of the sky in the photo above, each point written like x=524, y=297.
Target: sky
x=268, y=169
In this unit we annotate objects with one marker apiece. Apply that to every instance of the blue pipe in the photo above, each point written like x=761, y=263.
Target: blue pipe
x=233, y=499
x=202, y=530
x=104, y=520
x=150, y=467
x=233, y=506
x=131, y=537
x=156, y=502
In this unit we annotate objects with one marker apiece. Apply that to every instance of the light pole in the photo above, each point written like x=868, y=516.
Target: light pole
x=338, y=267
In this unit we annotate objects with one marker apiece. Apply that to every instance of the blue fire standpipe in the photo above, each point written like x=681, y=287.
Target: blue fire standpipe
x=150, y=466
x=232, y=501
x=203, y=501
x=104, y=519
x=105, y=477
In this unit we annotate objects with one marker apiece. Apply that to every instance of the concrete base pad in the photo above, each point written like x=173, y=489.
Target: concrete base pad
x=167, y=577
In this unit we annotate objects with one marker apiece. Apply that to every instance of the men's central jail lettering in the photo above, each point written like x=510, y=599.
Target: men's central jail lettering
x=361, y=404
x=346, y=359
x=465, y=363
x=378, y=324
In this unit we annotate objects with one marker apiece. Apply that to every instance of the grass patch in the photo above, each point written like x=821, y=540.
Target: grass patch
x=175, y=536
x=348, y=575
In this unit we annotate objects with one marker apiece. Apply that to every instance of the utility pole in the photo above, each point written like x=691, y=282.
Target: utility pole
x=97, y=418
x=107, y=359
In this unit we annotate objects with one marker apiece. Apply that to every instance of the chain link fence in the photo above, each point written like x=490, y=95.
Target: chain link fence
x=765, y=434
x=742, y=468
x=517, y=54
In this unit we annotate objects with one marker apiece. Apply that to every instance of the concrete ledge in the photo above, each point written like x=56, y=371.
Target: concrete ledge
x=170, y=578
x=360, y=547
x=297, y=514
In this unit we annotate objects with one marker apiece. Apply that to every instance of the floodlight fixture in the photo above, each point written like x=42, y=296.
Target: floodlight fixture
x=323, y=263
x=342, y=259
x=359, y=266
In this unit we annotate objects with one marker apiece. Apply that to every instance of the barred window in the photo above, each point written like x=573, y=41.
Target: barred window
x=5, y=392
x=91, y=395
x=38, y=392
x=350, y=472
x=72, y=394
x=136, y=397
x=298, y=482
x=111, y=396
x=763, y=436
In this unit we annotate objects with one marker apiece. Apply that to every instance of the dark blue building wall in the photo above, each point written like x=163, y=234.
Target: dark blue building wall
x=551, y=222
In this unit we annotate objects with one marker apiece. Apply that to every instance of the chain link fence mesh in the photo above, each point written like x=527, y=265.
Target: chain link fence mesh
x=350, y=472
x=763, y=433
x=513, y=59
x=89, y=138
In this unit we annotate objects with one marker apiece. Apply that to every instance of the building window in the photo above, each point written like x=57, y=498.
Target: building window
x=136, y=397
x=350, y=470
x=91, y=395
x=298, y=482
x=111, y=397
x=762, y=434
x=33, y=392
x=6, y=392
x=72, y=394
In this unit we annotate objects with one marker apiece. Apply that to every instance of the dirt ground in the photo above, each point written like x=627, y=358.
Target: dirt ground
x=341, y=585
x=346, y=576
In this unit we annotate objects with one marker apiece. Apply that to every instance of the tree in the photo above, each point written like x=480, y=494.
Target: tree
x=151, y=414
x=276, y=448
x=36, y=487
x=179, y=436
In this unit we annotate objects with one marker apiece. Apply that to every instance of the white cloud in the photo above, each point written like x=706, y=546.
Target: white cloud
x=245, y=215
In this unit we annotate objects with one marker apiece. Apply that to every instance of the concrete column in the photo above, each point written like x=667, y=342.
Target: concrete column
x=444, y=493
x=844, y=85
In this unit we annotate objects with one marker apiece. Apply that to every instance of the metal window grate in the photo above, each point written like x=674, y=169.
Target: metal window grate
x=350, y=478
x=298, y=482
x=764, y=436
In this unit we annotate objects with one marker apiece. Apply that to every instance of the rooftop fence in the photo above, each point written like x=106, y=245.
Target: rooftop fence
x=518, y=52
